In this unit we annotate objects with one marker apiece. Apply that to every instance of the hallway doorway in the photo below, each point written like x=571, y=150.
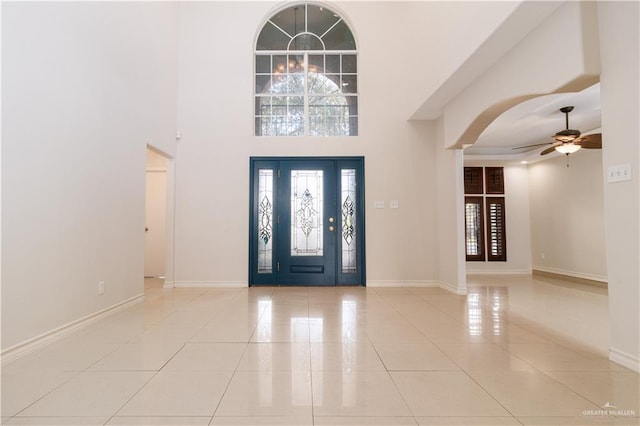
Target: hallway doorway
x=155, y=215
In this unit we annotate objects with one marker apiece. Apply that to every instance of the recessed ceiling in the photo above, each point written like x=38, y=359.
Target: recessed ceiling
x=536, y=121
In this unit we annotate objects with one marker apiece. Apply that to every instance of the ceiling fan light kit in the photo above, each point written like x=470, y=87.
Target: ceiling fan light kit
x=569, y=141
x=567, y=148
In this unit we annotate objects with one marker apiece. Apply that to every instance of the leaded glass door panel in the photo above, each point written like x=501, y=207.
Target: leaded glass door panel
x=307, y=225
x=307, y=222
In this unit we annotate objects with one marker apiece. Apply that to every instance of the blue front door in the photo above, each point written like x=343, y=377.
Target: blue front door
x=307, y=221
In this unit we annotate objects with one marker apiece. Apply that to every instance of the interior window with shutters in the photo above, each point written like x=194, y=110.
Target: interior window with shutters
x=306, y=74
x=495, y=180
x=497, y=243
x=474, y=228
x=485, y=228
x=473, y=183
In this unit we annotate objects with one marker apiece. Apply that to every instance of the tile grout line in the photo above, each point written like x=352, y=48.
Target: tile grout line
x=313, y=415
x=46, y=395
x=132, y=396
x=233, y=374
x=395, y=385
x=226, y=388
x=544, y=373
x=462, y=369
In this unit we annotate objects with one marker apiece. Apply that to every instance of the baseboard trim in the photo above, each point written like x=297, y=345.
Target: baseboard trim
x=452, y=288
x=624, y=359
x=594, y=280
x=406, y=283
x=589, y=277
x=211, y=284
x=373, y=284
x=52, y=336
x=503, y=272
x=412, y=283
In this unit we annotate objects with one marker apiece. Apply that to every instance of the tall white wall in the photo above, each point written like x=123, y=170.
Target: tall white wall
x=516, y=194
x=397, y=44
x=85, y=87
x=620, y=55
x=216, y=120
x=567, y=215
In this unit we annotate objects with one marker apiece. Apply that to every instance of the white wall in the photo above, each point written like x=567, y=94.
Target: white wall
x=85, y=86
x=450, y=207
x=516, y=194
x=567, y=215
x=212, y=170
x=620, y=54
x=397, y=46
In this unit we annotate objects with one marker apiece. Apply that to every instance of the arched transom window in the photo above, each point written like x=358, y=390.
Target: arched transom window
x=306, y=74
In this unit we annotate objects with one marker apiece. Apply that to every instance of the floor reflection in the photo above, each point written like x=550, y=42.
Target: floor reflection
x=515, y=350
x=487, y=310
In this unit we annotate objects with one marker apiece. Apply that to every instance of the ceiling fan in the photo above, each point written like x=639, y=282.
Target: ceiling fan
x=569, y=141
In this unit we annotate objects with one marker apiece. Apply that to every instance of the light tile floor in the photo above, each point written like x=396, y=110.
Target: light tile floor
x=515, y=351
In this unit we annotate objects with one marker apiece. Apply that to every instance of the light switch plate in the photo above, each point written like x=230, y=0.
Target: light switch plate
x=619, y=173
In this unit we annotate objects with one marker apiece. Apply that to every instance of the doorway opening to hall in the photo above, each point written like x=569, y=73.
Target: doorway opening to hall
x=155, y=219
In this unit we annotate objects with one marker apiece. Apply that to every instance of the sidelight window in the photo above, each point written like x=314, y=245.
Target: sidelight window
x=349, y=194
x=265, y=221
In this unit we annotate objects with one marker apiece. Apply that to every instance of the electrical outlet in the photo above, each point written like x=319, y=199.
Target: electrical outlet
x=101, y=287
x=394, y=204
x=541, y=255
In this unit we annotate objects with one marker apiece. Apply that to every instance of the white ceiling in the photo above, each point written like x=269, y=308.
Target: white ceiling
x=535, y=121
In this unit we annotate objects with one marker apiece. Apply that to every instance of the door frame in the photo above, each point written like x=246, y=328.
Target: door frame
x=170, y=207
x=356, y=162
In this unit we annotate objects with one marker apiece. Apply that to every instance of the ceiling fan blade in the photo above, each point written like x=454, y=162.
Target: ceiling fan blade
x=550, y=149
x=593, y=141
x=531, y=146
